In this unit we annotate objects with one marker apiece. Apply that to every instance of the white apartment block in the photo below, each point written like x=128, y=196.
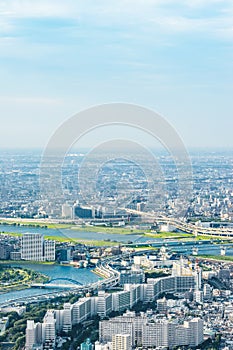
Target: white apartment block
x=49, y=327
x=99, y=346
x=49, y=250
x=41, y=333
x=136, y=293
x=102, y=304
x=32, y=247
x=153, y=332
x=67, y=318
x=196, y=331
x=81, y=310
x=121, y=342
x=120, y=325
x=30, y=335
x=156, y=286
x=121, y=301
x=35, y=248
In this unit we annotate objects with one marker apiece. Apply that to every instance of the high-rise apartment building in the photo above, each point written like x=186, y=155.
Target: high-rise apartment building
x=67, y=318
x=35, y=248
x=103, y=303
x=32, y=246
x=121, y=342
x=49, y=328
x=49, y=250
x=151, y=332
x=30, y=335
x=81, y=310
x=121, y=301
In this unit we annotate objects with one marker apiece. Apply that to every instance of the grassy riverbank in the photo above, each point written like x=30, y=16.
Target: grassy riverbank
x=112, y=242
x=85, y=228
x=216, y=258
x=168, y=235
x=62, y=239
x=17, y=278
x=26, y=262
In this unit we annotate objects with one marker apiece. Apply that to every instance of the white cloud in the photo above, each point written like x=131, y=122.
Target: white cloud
x=171, y=16
x=184, y=24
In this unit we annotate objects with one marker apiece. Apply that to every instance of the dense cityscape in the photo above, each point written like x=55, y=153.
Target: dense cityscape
x=158, y=284
x=212, y=182
x=116, y=175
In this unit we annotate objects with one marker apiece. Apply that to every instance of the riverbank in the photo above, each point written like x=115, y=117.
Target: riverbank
x=44, y=224
x=13, y=278
x=60, y=239
x=26, y=262
x=168, y=235
x=216, y=258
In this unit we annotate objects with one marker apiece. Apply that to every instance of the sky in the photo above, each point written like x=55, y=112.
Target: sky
x=60, y=57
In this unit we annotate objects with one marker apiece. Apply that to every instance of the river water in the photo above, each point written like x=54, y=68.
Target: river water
x=70, y=233
x=86, y=276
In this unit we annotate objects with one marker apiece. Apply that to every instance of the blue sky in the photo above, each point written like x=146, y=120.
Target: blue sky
x=58, y=57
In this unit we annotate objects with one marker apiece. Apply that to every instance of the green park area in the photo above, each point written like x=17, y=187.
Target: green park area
x=112, y=242
x=16, y=278
x=217, y=258
x=63, y=239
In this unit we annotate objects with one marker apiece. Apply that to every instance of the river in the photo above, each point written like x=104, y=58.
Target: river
x=85, y=276
x=70, y=233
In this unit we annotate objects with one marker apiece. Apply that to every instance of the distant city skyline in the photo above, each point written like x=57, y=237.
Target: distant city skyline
x=173, y=56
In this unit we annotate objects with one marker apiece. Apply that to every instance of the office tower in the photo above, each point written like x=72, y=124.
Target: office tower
x=5, y=251
x=65, y=255
x=67, y=211
x=83, y=212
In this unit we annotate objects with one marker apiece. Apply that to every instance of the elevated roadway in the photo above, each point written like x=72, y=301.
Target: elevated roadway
x=183, y=226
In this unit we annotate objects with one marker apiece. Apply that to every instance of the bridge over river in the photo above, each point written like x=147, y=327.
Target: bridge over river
x=54, y=283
